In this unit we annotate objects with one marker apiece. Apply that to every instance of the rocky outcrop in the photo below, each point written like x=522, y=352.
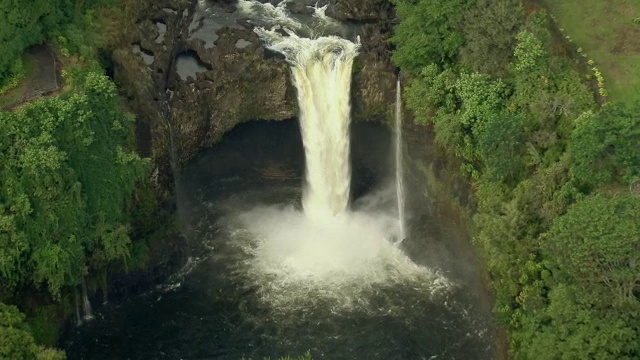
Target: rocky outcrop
x=197, y=79
x=375, y=11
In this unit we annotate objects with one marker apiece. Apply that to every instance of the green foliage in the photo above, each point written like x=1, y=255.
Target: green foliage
x=63, y=22
x=430, y=92
x=481, y=99
x=548, y=93
x=489, y=27
x=546, y=86
x=571, y=328
x=528, y=54
x=83, y=36
x=597, y=244
x=604, y=30
x=429, y=32
x=25, y=24
x=44, y=323
x=500, y=144
x=17, y=342
x=563, y=264
x=14, y=74
x=460, y=107
x=66, y=173
x=306, y=356
x=592, y=308
x=605, y=145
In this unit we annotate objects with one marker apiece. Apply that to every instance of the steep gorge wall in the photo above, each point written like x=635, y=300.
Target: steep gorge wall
x=235, y=79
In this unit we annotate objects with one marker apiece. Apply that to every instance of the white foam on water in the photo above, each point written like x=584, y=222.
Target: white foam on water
x=273, y=15
x=325, y=253
x=294, y=262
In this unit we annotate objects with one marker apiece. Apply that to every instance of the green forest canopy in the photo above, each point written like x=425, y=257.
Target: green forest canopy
x=67, y=171
x=25, y=23
x=551, y=171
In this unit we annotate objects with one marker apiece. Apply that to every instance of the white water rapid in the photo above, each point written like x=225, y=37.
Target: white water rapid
x=399, y=168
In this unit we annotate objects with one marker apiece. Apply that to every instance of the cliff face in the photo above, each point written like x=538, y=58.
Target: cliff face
x=196, y=75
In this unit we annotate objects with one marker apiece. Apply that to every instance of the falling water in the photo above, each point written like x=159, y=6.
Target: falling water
x=399, y=173
x=78, y=317
x=322, y=75
x=321, y=69
x=328, y=250
x=303, y=283
x=86, y=305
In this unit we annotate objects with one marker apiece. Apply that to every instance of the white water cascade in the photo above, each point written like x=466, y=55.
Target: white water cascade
x=399, y=168
x=321, y=69
x=322, y=75
x=86, y=305
x=328, y=250
x=83, y=304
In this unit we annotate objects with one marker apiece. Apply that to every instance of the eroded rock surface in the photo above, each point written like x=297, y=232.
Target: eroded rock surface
x=226, y=75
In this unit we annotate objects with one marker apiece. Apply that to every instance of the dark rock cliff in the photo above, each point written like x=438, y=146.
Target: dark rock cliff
x=197, y=78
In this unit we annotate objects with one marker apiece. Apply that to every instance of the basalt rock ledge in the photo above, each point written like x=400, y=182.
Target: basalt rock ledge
x=190, y=79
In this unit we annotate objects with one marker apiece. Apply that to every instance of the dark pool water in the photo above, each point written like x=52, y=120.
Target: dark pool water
x=214, y=309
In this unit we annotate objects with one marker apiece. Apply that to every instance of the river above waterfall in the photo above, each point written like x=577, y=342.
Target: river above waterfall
x=216, y=308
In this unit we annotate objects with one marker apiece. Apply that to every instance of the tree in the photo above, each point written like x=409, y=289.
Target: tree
x=430, y=92
x=489, y=27
x=429, y=32
x=500, y=144
x=17, y=342
x=67, y=171
x=597, y=244
x=571, y=328
x=529, y=54
x=481, y=99
x=604, y=145
x=25, y=23
x=39, y=202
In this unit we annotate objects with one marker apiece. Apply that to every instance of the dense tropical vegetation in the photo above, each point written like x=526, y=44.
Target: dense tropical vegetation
x=67, y=173
x=68, y=176
x=552, y=162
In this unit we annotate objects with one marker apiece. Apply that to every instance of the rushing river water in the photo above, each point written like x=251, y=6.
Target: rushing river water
x=221, y=306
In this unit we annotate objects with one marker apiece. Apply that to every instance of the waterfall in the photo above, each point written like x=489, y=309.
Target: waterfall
x=86, y=305
x=78, y=317
x=399, y=172
x=321, y=69
x=328, y=250
x=323, y=80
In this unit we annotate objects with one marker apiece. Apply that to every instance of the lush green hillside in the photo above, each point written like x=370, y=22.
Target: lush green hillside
x=552, y=170
x=71, y=184
x=67, y=173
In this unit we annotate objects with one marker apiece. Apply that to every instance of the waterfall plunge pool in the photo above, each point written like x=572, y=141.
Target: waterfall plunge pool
x=222, y=307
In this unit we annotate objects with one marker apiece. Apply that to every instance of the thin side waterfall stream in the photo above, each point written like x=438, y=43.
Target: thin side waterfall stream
x=399, y=167
x=286, y=261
